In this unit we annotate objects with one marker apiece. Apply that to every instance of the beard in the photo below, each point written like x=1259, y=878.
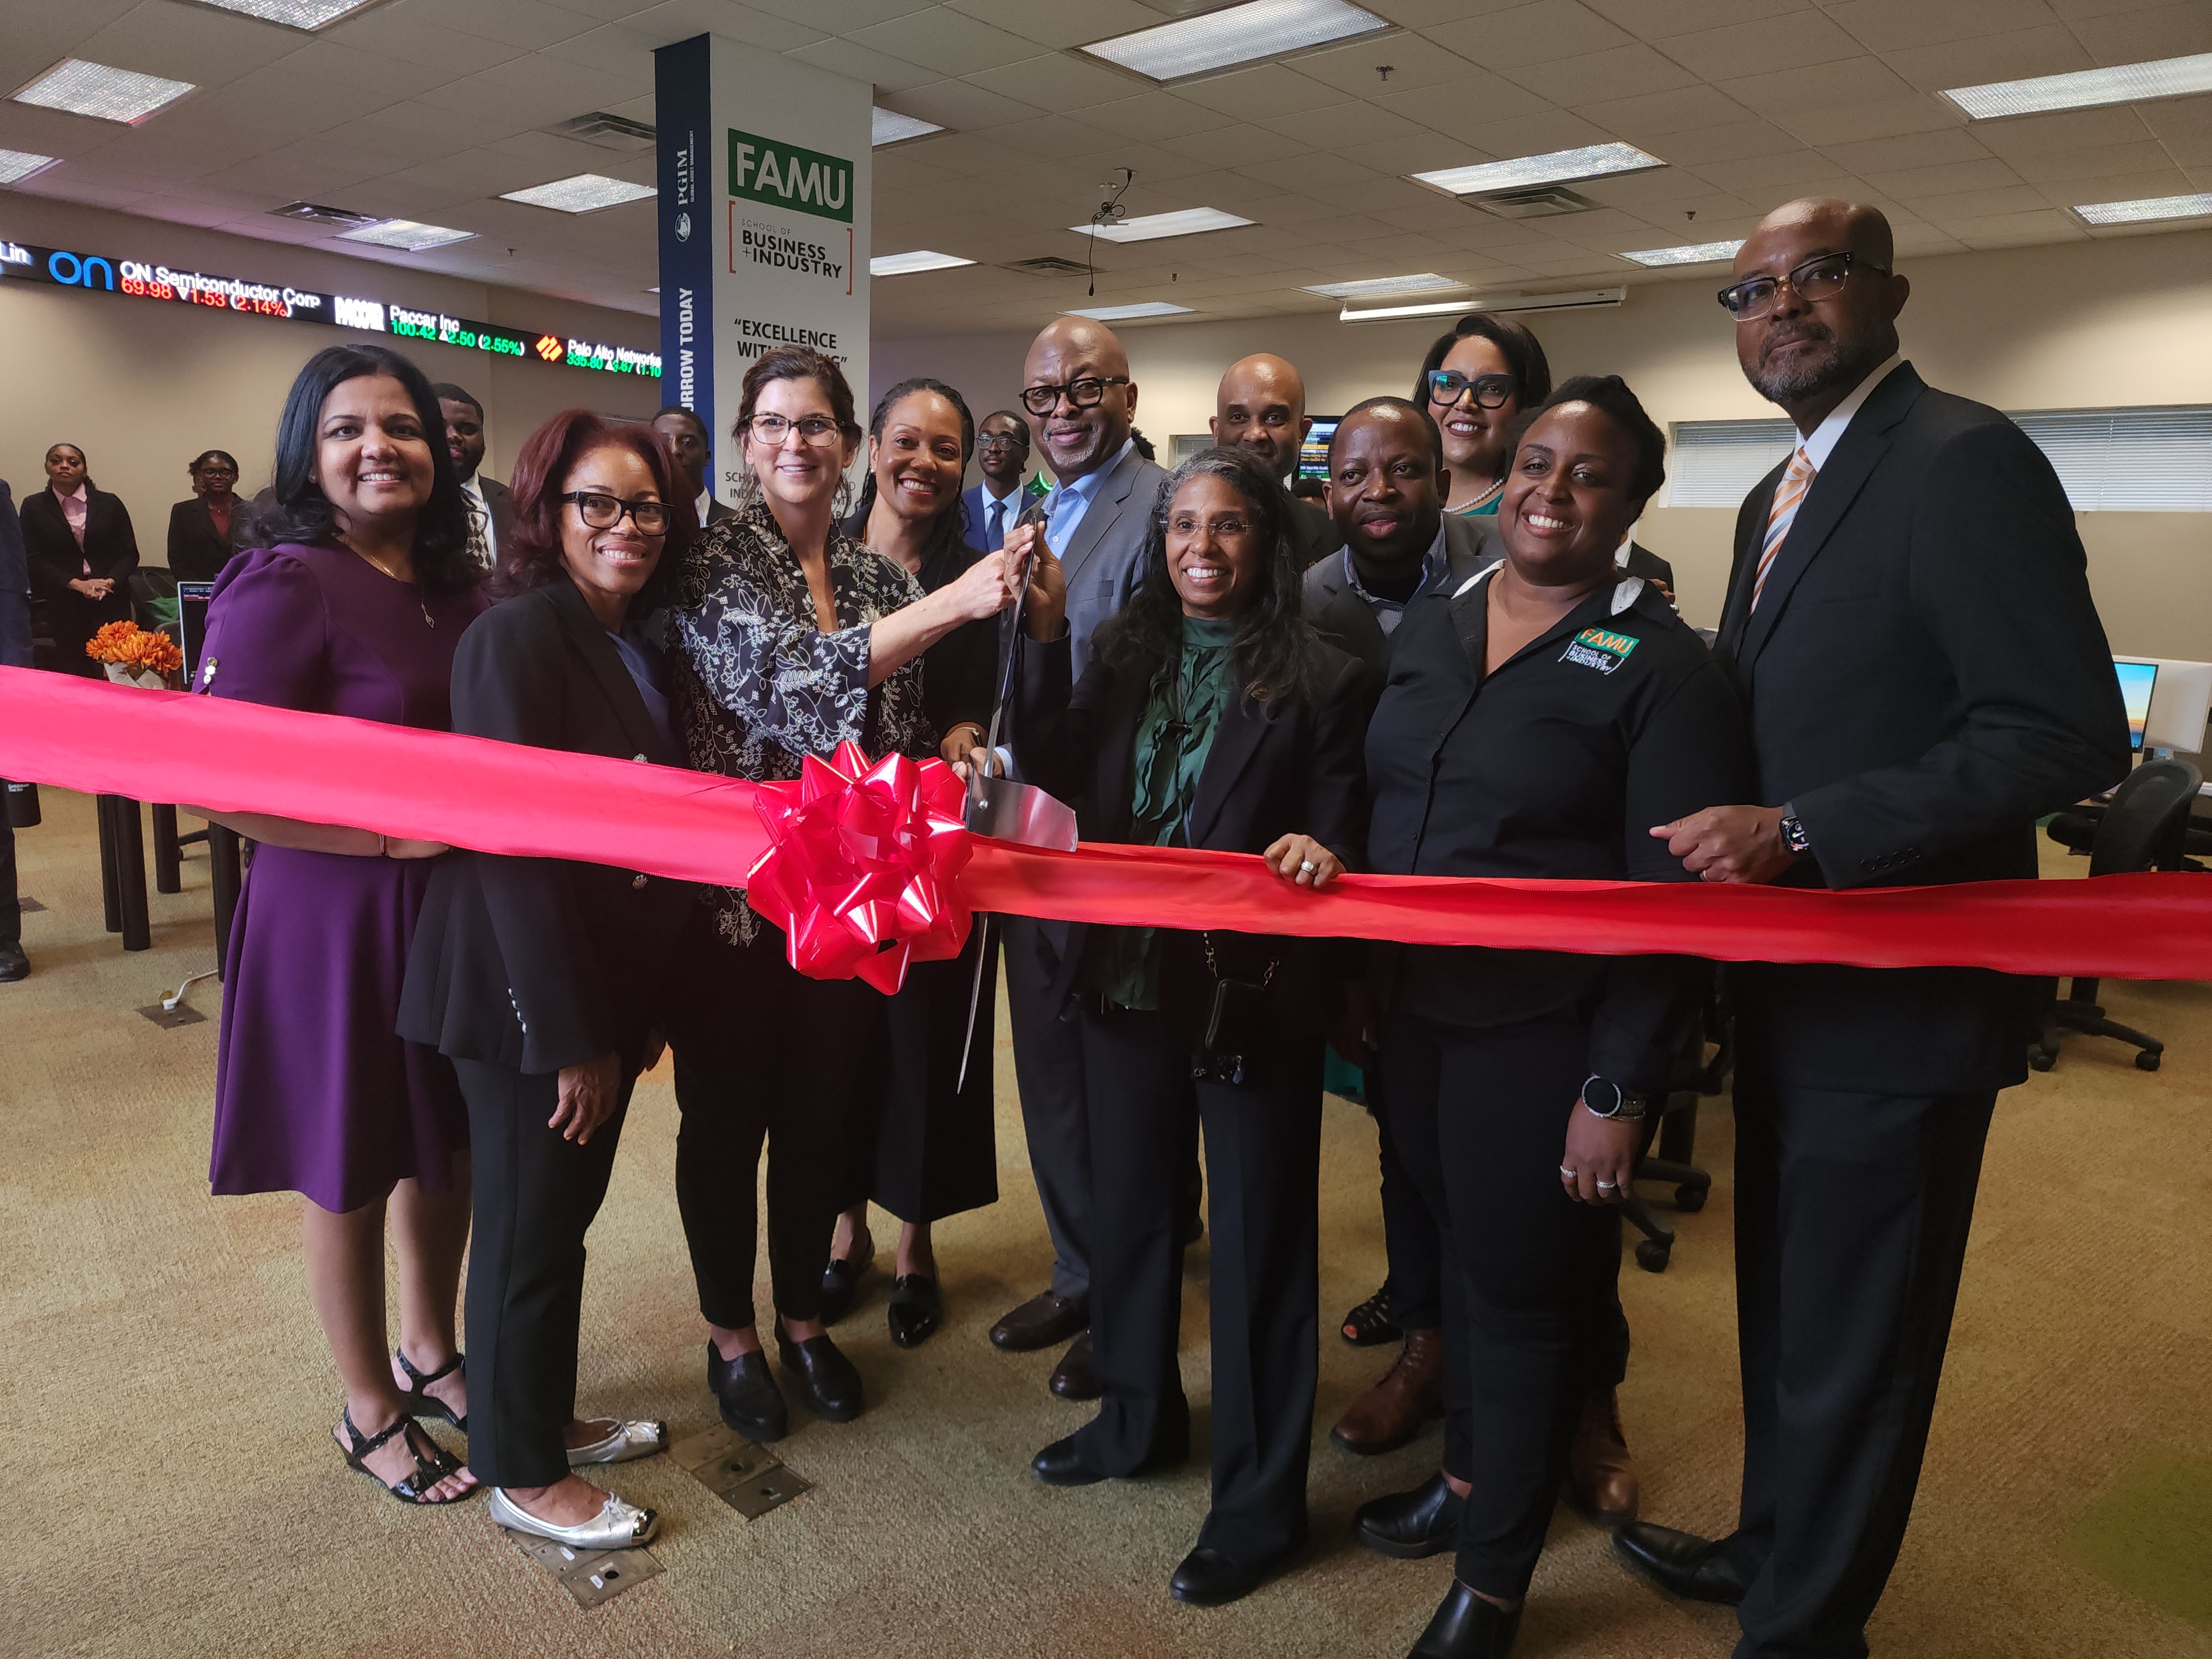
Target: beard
x=1844, y=363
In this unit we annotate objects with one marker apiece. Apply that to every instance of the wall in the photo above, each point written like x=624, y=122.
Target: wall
x=144, y=387
x=2126, y=320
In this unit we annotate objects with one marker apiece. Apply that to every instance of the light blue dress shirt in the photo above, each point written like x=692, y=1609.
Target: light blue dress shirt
x=1071, y=501
x=999, y=516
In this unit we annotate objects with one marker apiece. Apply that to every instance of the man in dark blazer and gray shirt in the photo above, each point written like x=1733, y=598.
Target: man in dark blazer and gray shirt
x=1909, y=621
x=1077, y=388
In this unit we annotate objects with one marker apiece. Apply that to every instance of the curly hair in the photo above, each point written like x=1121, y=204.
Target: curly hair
x=949, y=531
x=1610, y=393
x=1276, y=651
x=532, y=555
x=294, y=509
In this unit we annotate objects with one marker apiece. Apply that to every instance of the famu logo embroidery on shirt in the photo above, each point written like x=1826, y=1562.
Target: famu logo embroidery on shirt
x=1599, y=648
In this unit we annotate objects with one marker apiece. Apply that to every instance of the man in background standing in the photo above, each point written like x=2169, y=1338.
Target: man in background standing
x=1002, y=456
x=491, y=520
x=15, y=652
x=687, y=435
x=1260, y=406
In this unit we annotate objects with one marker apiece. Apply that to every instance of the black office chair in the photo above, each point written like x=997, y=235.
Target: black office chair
x=2145, y=826
x=1671, y=1141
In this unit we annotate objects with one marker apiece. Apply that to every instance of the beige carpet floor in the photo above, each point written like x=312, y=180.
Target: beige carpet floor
x=171, y=1489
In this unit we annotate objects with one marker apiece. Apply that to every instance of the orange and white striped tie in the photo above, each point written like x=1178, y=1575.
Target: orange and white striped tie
x=1789, y=496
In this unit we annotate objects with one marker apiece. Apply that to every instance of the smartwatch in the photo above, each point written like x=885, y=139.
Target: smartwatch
x=1794, y=838
x=1603, y=1097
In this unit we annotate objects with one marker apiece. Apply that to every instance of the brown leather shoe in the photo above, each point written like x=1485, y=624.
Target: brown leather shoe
x=1600, y=1473
x=1393, y=1411
x=1076, y=1377
x=1043, y=1320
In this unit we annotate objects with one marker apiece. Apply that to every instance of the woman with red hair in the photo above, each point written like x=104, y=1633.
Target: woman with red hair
x=539, y=978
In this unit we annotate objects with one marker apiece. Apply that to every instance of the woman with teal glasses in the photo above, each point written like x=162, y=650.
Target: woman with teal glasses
x=1475, y=382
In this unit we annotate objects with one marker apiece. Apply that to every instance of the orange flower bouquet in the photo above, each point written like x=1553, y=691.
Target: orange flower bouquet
x=134, y=657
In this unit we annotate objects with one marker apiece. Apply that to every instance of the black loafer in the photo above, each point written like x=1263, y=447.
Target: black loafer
x=1680, y=1562
x=917, y=1309
x=745, y=1393
x=1467, y=1627
x=1411, y=1524
x=1061, y=1464
x=1208, y=1578
x=14, y=964
x=827, y=1384
x=841, y=1282
x=1076, y=1377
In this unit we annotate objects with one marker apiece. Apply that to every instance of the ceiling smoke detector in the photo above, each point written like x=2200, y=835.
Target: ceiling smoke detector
x=616, y=132
x=1532, y=201
x=315, y=213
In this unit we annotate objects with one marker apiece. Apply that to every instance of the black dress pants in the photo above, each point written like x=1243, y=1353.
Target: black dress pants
x=1851, y=1217
x=1532, y=1291
x=535, y=1194
x=764, y=1055
x=11, y=907
x=1410, y=1240
x=1263, y=1167
x=1056, y=1117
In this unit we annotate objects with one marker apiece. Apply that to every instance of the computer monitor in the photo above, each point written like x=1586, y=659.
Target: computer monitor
x=2138, y=681
x=1313, y=455
x=191, y=624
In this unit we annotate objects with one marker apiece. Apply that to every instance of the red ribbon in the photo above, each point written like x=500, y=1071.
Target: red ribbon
x=233, y=756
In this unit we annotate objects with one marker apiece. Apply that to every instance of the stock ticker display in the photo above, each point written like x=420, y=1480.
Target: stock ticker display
x=137, y=279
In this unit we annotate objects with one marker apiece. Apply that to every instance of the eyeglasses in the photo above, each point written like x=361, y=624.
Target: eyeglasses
x=1816, y=279
x=769, y=430
x=600, y=512
x=1002, y=440
x=1227, y=527
x=1086, y=392
x=1448, y=386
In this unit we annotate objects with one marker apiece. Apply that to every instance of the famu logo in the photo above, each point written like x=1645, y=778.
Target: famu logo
x=783, y=175
x=1599, y=648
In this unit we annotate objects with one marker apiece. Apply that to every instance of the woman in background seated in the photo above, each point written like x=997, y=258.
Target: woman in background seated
x=1210, y=715
x=82, y=550
x=541, y=979
x=203, y=530
x=1538, y=720
x=355, y=611
x=936, y=1151
x=793, y=638
x=1475, y=382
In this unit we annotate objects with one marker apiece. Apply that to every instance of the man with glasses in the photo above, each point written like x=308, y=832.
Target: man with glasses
x=1909, y=622
x=1260, y=406
x=1076, y=385
x=1002, y=456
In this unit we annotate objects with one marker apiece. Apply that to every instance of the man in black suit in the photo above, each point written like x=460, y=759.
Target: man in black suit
x=1260, y=406
x=1076, y=386
x=15, y=652
x=1909, y=624
x=687, y=435
x=491, y=519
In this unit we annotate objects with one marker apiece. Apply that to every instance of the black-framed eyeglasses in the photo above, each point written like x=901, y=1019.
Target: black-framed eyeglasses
x=1085, y=391
x=1003, y=441
x=770, y=429
x=599, y=511
x=1816, y=279
x=1448, y=386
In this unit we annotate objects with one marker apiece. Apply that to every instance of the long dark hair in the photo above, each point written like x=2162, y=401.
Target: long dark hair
x=791, y=363
x=294, y=509
x=948, y=531
x=1276, y=651
x=532, y=556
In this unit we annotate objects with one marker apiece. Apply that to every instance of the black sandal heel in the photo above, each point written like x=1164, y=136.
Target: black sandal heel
x=410, y=1488
x=420, y=1401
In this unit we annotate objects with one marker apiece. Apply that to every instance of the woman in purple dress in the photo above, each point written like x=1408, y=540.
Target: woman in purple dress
x=352, y=605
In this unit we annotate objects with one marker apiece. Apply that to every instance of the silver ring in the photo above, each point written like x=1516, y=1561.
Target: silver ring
x=1308, y=867
x=1570, y=1174
x=1607, y=1187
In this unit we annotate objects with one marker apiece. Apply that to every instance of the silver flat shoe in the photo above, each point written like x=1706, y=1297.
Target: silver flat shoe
x=617, y=1526
x=628, y=1441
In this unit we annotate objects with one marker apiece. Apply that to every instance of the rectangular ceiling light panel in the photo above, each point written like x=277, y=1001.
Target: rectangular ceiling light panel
x=587, y=192
x=1559, y=167
x=309, y=14
x=407, y=234
x=902, y=265
x=1130, y=313
x=81, y=87
x=2123, y=83
x=16, y=165
x=1376, y=287
x=1152, y=226
x=888, y=126
x=1690, y=253
x=1582, y=300
x=2146, y=209
x=1237, y=34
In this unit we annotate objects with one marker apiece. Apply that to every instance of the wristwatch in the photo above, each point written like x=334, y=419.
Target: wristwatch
x=1793, y=833
x=1603, y=1097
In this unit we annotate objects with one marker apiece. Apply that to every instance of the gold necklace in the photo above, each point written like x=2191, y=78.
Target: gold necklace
x=384, y=569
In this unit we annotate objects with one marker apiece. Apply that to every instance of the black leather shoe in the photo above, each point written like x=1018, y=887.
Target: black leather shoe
x=1410, y=1524
x=1208, y=1578
x=1680, y=1562
x=917, y=1309
x=1076, y=1377
x=14, y=964
x=1467, y=1627
x=840, y=1280
x=827, y=1384
x=1061, y=1465
x=745, y=1393
x=1045, y=1319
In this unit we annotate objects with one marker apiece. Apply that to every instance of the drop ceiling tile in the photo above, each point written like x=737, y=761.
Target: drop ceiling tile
x=403, y=32
x=2073, y=129
x=1878, y=117
x=884, y=72
x=335, y=64
x=1061, y=22
x=1311, y=172
x=1155, y=117
x=1477, y=96
x=1051, y=138
x=1414, y=63
x=1532, y=135
x=962, y=106
x=2017, y=229
x=425, y=123
x=1255, y=94
x=1232, y=191
x=948, y=41
x=679, y=19
x=1940, y=210
x=1910, y=184
x=1736, y=141
x=1631, y=72
x=2019, y=55
x=1662, y=114
x=1399, y=157
x=183, y=43
x=284, y=103
x=1872, y=155
x=1342, y=125
x=2184, y=118
x=1659, y=20
x=2167, y=180
x=1058, y=81
x=1888, y=26
x=1774, y=179
x=1796, y=41
x=2132, y=37
x=1236, y=146
x=529, y=24
x=1537, y=34
x=1156, y=168
x=1854, y=81
x=2102, y=161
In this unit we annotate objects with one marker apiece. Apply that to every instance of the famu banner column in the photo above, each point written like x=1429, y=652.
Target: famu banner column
x=765, y=197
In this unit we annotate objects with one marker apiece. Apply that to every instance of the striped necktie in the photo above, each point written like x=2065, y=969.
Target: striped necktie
x=1788, y=496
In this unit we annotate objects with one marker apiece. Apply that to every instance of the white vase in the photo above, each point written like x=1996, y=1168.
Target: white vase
x=123, y=674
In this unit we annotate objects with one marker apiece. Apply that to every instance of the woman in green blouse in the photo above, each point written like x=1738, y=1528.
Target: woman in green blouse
x=1210, y=715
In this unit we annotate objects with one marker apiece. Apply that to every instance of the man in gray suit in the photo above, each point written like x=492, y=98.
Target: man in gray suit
x=1076, y=386
x=15, y=652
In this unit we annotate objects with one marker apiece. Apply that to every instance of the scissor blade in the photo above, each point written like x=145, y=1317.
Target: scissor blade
x=975, y=998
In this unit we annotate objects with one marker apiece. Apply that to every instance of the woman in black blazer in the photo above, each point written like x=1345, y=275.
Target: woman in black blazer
x=203, y=530
x=539, y=978
x=82, y=551
x=1210, y=715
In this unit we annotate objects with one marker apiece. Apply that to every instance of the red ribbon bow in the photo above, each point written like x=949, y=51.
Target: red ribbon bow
x=860, y=864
